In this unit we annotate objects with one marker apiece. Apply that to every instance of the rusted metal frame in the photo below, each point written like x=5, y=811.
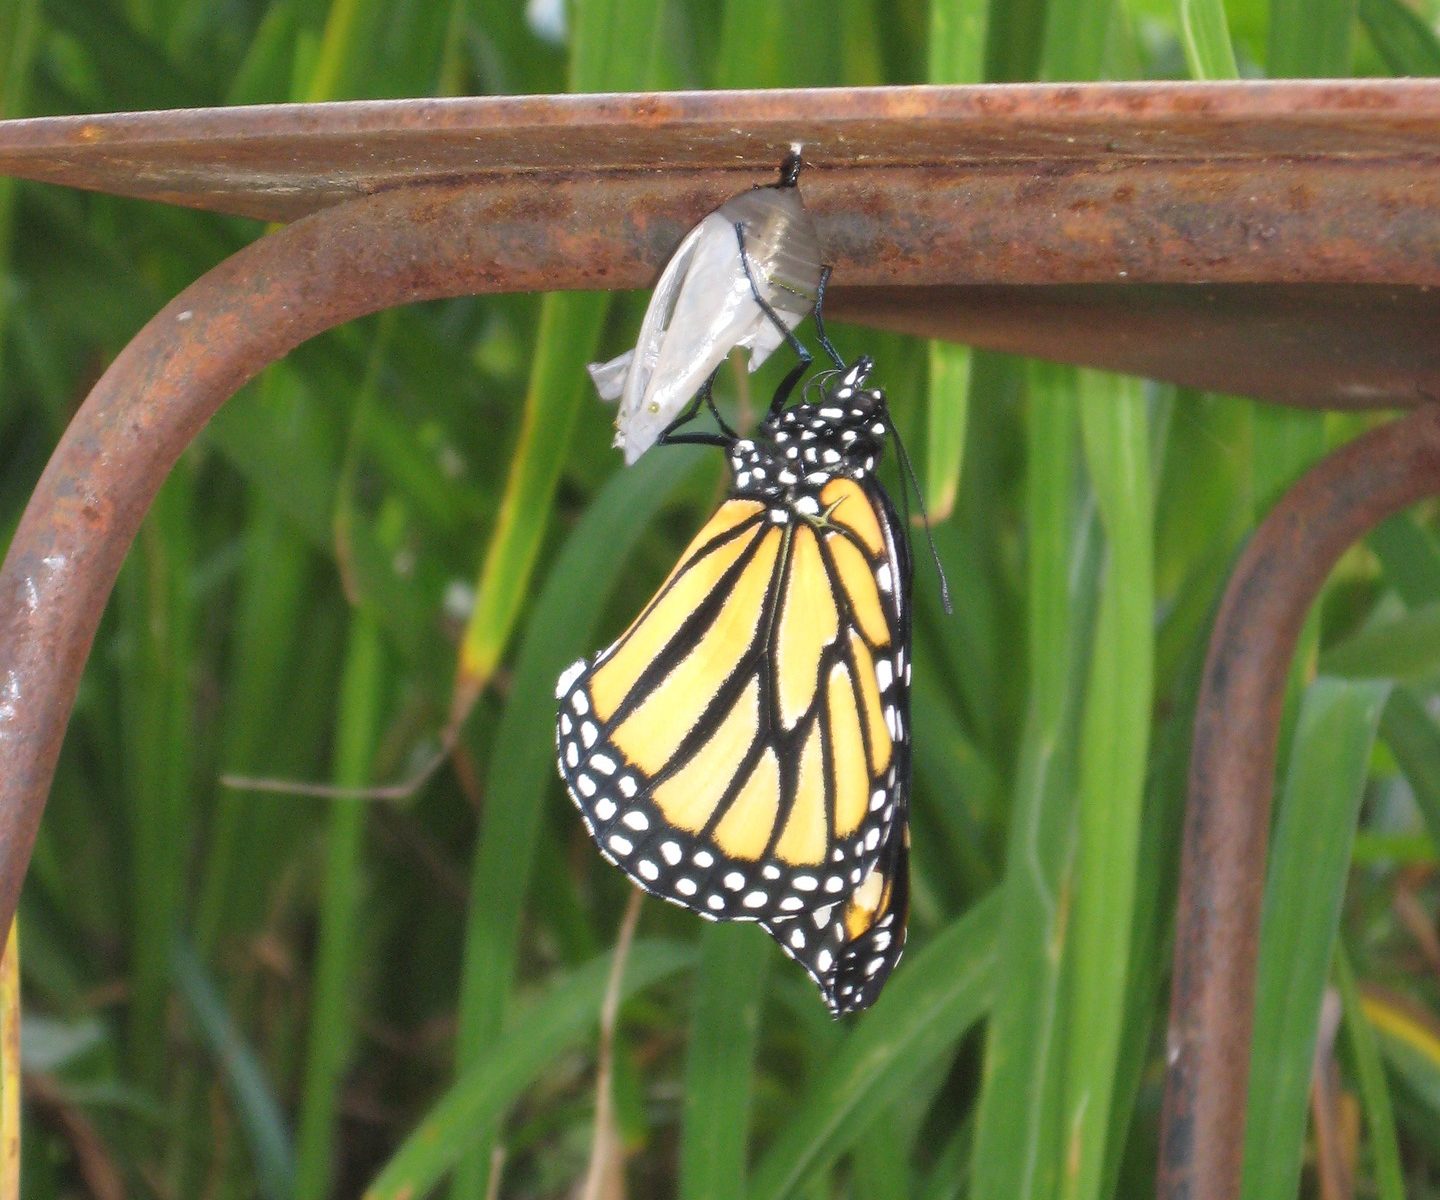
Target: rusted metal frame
x=1232, y=769
x=374, y=253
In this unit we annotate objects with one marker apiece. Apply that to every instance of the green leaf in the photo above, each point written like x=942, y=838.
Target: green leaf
x=1406, y=43
x=261, y=1119
x=946, y=413
x=1018, y=1132
x=1206, y=38
x=714, y=1136
x=1310, y=38
x=561, y=628
x=925, y=1008
x=1374, y=1093
x=1113, y=755
x=569, y=329
x=1411, y=733
x=553, y=1025
x=1308, y=865
x=1405, y=647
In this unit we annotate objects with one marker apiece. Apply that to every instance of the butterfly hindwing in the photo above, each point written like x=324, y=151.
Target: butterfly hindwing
x=850, y=947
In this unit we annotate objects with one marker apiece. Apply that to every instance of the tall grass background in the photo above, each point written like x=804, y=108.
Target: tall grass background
x=232, y=994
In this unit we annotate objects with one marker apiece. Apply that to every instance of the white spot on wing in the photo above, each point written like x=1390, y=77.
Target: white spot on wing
x=568, y=678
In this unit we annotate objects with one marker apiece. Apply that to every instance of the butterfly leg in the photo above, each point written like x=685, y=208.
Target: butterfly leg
x=671, y=437
x=785, y=331
x=787, y=385
x=819, y=311
x=707, y=393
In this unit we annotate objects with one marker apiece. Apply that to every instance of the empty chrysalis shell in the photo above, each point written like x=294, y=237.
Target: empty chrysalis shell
x=703, y=307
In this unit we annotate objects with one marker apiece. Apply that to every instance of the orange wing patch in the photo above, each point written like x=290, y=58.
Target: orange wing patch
x=698, y=574
x=852, y=508
x=651, y=734
x=809, y=622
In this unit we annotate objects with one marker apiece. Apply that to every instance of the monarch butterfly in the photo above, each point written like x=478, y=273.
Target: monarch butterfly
x=743, y=749
x=702, y=308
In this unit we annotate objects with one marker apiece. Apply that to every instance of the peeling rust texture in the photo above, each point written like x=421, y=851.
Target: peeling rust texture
x=1232, y=771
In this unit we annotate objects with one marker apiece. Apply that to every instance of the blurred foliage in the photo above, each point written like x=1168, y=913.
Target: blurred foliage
x=232, y=993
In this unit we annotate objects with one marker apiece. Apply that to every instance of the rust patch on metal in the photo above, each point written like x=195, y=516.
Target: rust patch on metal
x=1331, y=346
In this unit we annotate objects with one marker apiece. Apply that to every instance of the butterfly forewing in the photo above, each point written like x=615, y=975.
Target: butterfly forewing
x=732, y=752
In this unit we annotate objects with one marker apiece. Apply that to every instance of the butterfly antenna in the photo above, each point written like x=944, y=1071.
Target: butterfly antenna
x=924, y=517
x=819, y=311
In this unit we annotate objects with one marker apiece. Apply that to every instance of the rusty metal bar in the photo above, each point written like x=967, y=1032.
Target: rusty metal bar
x=1043, y=219
x=1232, y=769
x=1329, y=346
x=278, y=162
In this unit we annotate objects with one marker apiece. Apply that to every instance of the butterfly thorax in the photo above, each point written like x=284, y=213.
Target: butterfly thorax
x=801, y=449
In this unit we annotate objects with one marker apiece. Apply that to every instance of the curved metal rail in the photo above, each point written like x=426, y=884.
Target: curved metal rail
x=1232, y=773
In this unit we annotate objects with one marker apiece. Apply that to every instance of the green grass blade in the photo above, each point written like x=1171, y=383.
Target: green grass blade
x=562, y=624
x=1076, y=32
x=921, y=1014
x=1310, y=39
x=1017, y=1141
x=879, y=1168
x=752, y=44
x=569, y=330
x=261, y=1120
x=1114, y=746
x=946, y=414
x=472, y=1109
x=337, y=52
x=952, y=1165
x=334, y=1006
x=159, y=677
x=19, y=39
x=1308, y=865
x=718, y=1071
x=1405, y=647
x=1409, y=1037
x=1206, y=38
x=956, y=55
x=1374, y=1092
x=612, y=49
x=1411, y=733
x=1406, y=43
x=1410, y=557
x=1156, y=885
x=267, y=635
